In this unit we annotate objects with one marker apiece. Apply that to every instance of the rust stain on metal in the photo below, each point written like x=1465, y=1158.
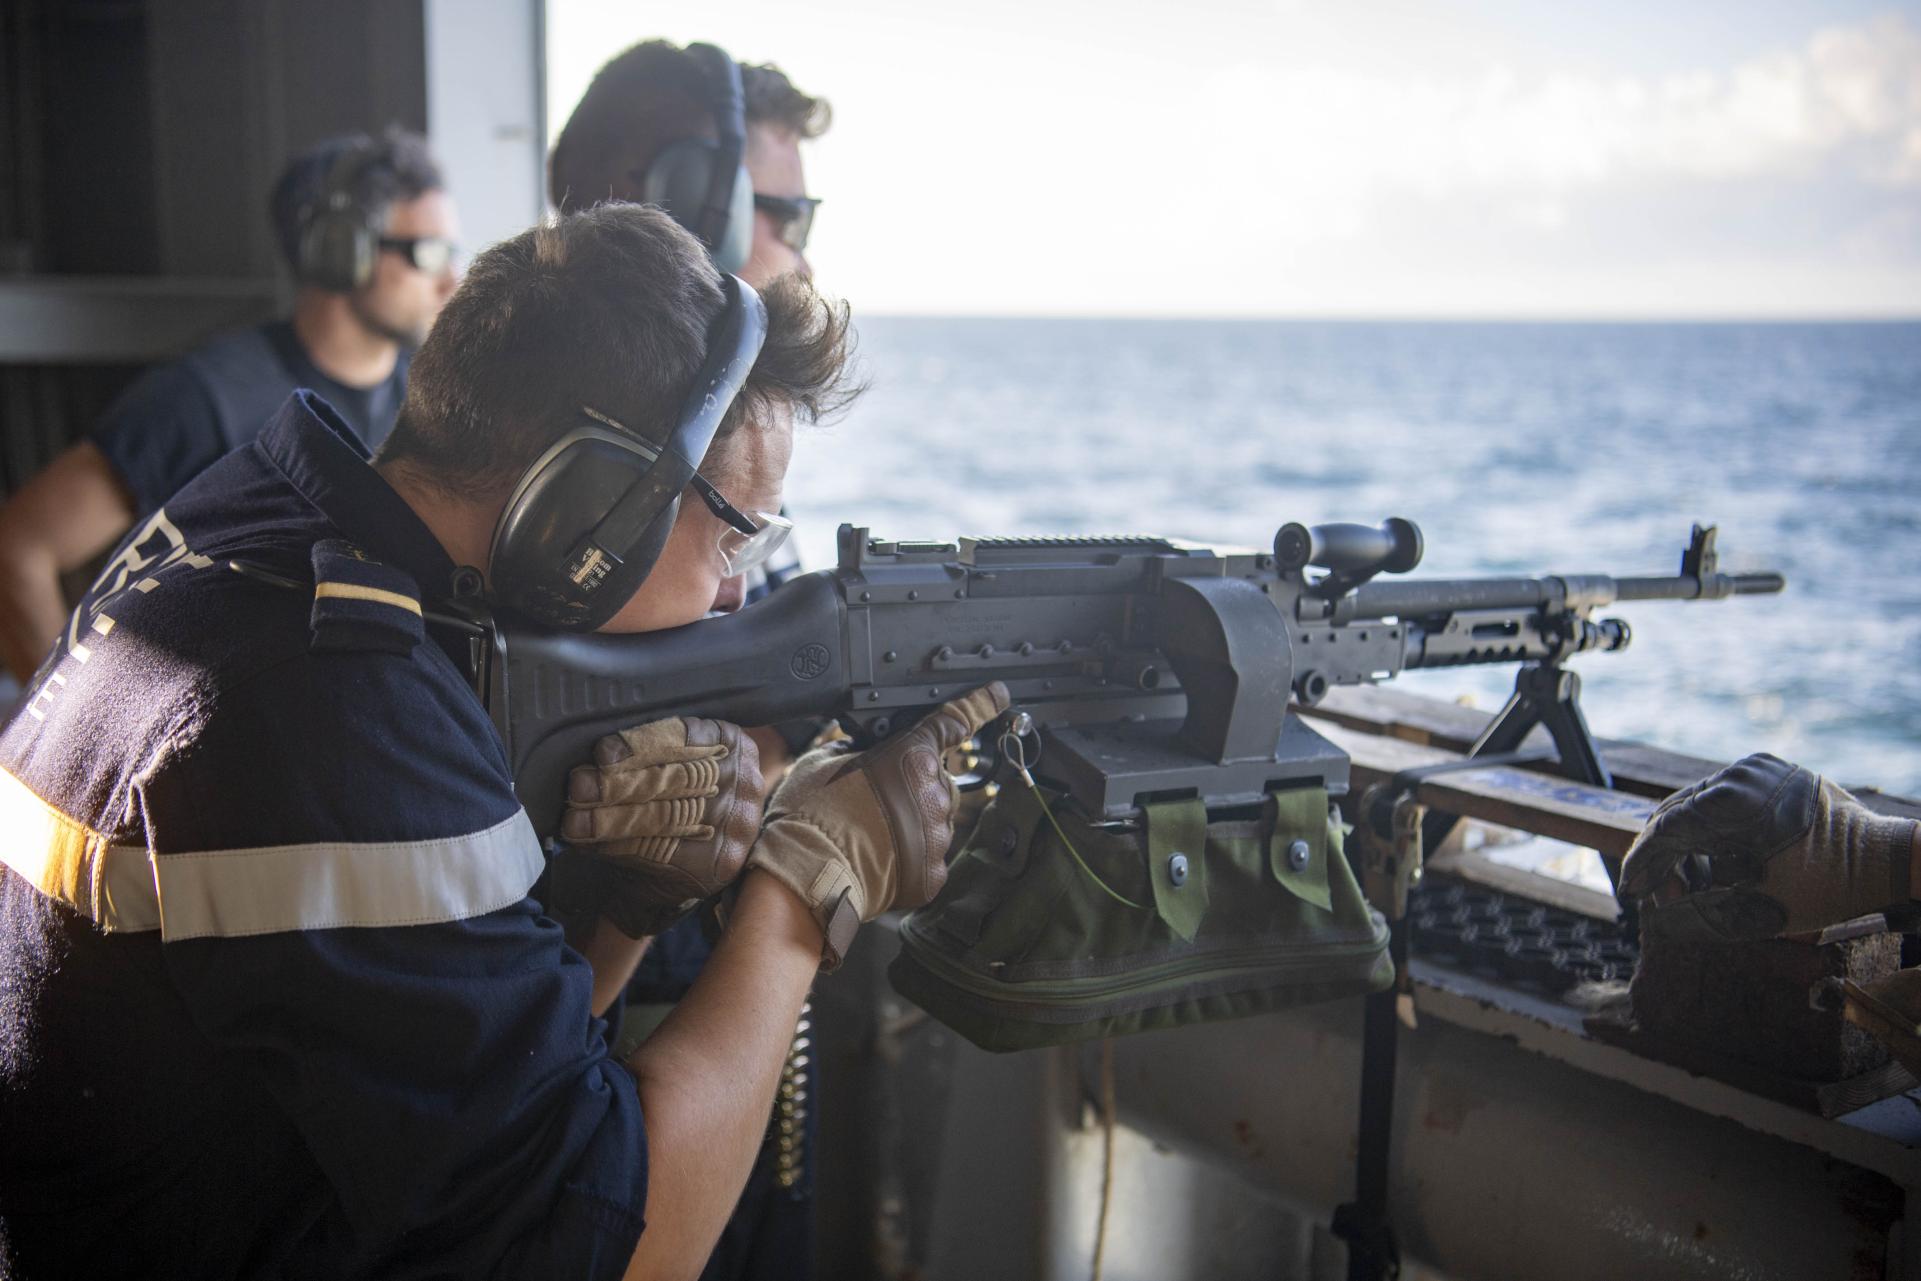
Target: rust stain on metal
x=1448, y=1107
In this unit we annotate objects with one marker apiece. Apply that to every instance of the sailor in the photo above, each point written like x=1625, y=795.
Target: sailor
x=650, y=128
x=1765, y=848
x=273, y=998
x=654, y=123
x=648, y=100
x=369, y=231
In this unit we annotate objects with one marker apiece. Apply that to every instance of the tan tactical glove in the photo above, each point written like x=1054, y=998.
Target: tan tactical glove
x=857, y=833
x=670, y=809
x=1765, y=848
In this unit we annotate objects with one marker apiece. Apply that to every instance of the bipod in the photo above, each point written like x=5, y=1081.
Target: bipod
x=1547, y=695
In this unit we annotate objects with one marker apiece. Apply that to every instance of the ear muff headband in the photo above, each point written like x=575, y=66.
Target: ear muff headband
x=588, y=519
x=338, y=242
x=729, y=103
x=703, y=185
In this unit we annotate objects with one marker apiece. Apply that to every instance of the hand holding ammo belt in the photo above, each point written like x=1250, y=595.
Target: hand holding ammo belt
x=1763, y=848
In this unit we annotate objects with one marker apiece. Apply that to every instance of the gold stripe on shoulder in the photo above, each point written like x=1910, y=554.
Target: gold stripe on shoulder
x=71, y=863
x=354, y=591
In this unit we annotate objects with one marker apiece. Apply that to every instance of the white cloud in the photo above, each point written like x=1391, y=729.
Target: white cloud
x=1397, y=157
x=1850, y=97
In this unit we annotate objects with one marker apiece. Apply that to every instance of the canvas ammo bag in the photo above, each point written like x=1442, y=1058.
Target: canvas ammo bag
x=1030, y=943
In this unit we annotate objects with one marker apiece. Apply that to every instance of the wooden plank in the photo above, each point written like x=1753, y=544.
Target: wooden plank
x=1600, y=819
x=1381, y=709
x=1637, y=767
x=1476, y=867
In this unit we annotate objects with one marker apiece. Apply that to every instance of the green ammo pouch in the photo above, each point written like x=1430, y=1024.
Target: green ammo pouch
x=1030, y=943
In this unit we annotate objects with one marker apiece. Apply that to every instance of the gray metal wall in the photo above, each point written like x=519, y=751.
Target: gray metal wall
x=138, y=141
x=486, y=111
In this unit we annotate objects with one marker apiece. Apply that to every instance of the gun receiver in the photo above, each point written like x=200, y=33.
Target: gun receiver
x=1152, y=668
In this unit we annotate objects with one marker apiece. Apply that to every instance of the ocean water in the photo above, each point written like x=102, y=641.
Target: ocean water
x=1518, y=449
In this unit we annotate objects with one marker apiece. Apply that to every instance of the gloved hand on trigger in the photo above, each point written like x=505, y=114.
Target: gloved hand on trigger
x=1764, y=848
x=855, y=834
x=669, y=809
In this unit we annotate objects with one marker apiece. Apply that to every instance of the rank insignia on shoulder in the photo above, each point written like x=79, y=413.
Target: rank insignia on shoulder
x=361, y=604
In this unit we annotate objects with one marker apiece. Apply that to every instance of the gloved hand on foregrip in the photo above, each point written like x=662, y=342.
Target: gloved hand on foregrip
x=1764, y=848
x=855, y=834
x=670, y=808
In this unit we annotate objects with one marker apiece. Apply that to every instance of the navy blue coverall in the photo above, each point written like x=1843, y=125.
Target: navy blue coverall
x=273, y=998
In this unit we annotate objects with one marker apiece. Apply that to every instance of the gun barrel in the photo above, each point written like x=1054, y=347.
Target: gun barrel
x=1421, y=599
x=1688, y=587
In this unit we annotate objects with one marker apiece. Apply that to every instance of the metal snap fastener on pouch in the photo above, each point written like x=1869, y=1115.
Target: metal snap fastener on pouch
x=1297, y=856
x=1177, y=869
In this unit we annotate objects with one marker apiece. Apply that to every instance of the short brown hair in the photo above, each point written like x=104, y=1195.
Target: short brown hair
x=772, y=99
x=609, y=307
x=649, y=97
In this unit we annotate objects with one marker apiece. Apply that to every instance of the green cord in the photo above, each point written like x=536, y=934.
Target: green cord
x=1111, y=891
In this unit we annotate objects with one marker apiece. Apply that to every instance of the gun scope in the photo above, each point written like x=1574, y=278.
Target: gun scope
x=1394, y=547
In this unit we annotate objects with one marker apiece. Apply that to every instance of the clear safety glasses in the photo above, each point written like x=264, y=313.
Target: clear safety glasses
x=749, y=539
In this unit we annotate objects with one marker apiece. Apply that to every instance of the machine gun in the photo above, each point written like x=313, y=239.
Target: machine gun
x=1149, y=668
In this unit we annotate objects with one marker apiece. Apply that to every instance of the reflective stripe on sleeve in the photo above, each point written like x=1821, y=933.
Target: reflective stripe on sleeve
x=266, y=890
x=330, y=884
x=71, y=863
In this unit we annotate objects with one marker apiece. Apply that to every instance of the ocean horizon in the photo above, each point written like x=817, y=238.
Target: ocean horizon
x=1519, y=446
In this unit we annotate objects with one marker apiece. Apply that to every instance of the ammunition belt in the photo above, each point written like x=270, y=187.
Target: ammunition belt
x=787, y=1131
x=1530, y=943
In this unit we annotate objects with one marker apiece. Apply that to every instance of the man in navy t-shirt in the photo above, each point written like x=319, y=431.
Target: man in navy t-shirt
x=368, y=229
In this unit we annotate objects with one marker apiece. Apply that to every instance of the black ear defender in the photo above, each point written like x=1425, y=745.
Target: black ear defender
x=339, y=242
x=703, y=185
x=586, y=522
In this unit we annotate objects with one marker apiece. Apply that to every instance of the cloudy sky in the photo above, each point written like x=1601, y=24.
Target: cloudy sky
x=1644, y=158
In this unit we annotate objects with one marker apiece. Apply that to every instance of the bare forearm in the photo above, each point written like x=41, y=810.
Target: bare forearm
x=774, y=756
x=60, y=520
x=707, y=1077
x=612, y=956
x=31, y=608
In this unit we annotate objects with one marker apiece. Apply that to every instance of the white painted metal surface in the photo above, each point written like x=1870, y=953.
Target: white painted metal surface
x=1517, y=1157
x=486, y=108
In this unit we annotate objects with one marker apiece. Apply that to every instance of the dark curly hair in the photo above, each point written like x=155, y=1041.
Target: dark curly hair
x=608, y=307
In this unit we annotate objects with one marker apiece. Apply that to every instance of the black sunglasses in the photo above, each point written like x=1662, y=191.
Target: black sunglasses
x=794, y=215
x=431, y=254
